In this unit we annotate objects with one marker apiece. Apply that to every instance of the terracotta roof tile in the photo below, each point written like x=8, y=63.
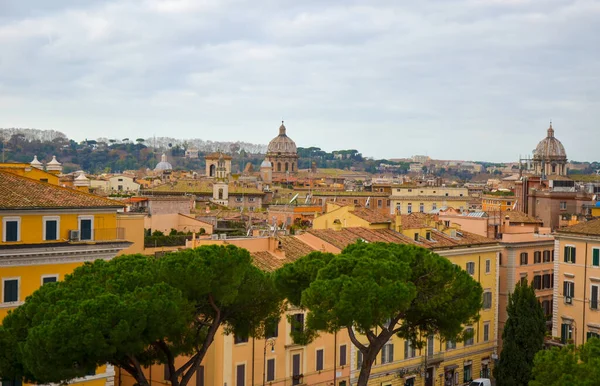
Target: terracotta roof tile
x=267, y=261
x=202, y=186
x=346, y=236
x=591, y=227
x=521, y=217
x=18, y=192
x=371, y=215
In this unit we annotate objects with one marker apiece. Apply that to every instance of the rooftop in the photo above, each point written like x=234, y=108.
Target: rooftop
x=18, y=192
x=201, y=186
x=591, y=228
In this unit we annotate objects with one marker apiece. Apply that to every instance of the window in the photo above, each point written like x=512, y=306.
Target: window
x=409, y=351
x=469, y=333
x=430, y=344
x=471, y=268
x=12, y=382
x=563, y=205
x=240, y=379
x=467, y=371
x=434, y=206
x=166, y=372
x=380, y=203
x=251, y=199
x=547, y=307
x=447, y=223
x=200, y=376
x=565, y=332
x=594, y=298
x=272, y=329
x=271, y=370
x=523, y=279
x=359, y=360
x=237, y=339
x=428, y=235
x=416, y=237
x=398, y=209
x=343, y=354
x=537, y=282
x=387, y=353
x=596, y=257
x=10, y=290
x=546, y=256
x=537, y=257
x=547, y=281
x=487, y=300
x=570, y=253
x=568, y=289
x=49, y=279
x=488, y=266
x=524, y=258
x=298, y=322
x=12, y=229
x=296, y=379
x=51, y=230
x=409, y=208
x=86, y=228
x=450, y=345
x=421, y=207
x=239, y=199
x=319, y=360
x=486, y=331
x=499, y=258
x=591, y=335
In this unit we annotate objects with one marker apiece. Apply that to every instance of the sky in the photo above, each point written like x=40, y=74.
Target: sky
x=452, y=79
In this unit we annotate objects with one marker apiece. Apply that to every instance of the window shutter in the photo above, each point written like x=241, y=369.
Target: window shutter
x=12, y=231
x=572, y=289
x=391, y=353
x=596, y=257
x=594, y=297
x=405, y=349
x=565, y=288
x=566, y=254
x=51, y=230
x=271, y=370
x=383, y=355
x=574, y=253
x=241, y=375
x=343, y=355
x=319, y=360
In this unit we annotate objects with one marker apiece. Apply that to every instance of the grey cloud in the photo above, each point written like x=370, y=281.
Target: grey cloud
x=476, y=79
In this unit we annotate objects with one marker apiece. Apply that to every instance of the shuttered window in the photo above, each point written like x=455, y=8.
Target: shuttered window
x=343, y=355
x=11, y=291
x=240, y=378
x=594, y=298
x=537, y=257
x=596, y=257
x=487, y=300
x=11, y=231
x=271, y=370
x=524, y=258
x=570, y=253
x=387, y=353
x=51, y=229
x=319, y=364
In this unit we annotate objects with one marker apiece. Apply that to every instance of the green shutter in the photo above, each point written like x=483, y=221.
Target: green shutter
x=596, y=257
x=573, y=253
x=566, y=256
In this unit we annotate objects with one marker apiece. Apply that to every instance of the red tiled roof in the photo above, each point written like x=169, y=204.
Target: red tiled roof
x=346, y=236
x=521, y=217
x=373, y=217
x=591, y=227
x=18, y=192
x=292, y=248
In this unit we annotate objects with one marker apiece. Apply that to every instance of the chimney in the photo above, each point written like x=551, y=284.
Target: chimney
x=337, y=225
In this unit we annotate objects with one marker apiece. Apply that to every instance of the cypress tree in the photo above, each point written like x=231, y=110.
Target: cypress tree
x=522, y=338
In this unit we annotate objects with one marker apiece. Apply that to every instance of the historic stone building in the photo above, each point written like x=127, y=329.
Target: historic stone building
x=212, y=163
x=282, y=153
x=549, y=157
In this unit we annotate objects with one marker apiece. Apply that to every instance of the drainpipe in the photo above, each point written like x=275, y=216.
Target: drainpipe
x=585, y=261
x=252, y=383
x=335, y=358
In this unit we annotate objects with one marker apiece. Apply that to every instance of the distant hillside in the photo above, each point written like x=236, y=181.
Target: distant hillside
x=31, y=134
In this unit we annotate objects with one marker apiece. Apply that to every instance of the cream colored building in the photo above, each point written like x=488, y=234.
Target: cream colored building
x=424, y=199
x=577, y=283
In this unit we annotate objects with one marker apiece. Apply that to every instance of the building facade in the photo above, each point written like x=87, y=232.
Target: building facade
x=282, y=154
x=425, y=199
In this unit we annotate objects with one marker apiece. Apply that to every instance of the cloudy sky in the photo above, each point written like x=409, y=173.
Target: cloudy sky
x=454, y=79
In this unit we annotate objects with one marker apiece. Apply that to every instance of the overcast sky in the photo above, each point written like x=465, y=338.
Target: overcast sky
x=453, y=79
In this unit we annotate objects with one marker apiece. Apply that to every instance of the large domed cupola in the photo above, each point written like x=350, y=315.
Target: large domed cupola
x=549, y=156
x=282, y=153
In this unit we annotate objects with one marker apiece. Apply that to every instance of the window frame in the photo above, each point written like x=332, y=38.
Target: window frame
x=548, y=254
x=274, y=361
x=489, y=295
x=470, y=341
x=537, y=257
x=488, y=266
x=83, y=218
x=524, y=256
x=596, y=250
x=55, y=276
x=572, y=256
x=45, y=219
x=387, y=353
x=319, y=366
x=11, y=219
x=486, y=334
x=470, y=264
x=592, y=286
x=570, y=289
x=5, y=279
x=343, y=359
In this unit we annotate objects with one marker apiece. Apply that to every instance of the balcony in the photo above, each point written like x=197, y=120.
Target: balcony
x=97, y=234
x=434, y=358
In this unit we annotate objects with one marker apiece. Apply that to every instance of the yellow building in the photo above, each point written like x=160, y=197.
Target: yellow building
x=577, y=283
x=47, y=231
x=340, y=215
x=498, y=203
x=29, y=171
x=412, y=199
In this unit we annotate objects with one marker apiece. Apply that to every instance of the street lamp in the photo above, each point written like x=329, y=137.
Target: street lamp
x=268, y=342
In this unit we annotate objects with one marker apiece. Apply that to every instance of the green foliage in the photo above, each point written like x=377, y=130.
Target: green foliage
x=394, y=288
x=522, y=338
x=136, y=310
x=567, y=365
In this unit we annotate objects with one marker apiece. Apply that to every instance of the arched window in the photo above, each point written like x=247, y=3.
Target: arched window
x=220, y=193
x=211, y=172
x=286, y=167
x=553, y=168
x=292, y=166
x=278, y=166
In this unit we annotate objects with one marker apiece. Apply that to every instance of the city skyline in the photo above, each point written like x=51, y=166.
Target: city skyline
x=474, y=80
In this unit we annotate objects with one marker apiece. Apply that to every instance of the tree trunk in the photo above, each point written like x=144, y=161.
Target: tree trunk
x=365, y=369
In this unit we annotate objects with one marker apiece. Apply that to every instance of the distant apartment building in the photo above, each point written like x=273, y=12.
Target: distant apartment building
x=576, y=315
x=498, y=202
x=424, y=199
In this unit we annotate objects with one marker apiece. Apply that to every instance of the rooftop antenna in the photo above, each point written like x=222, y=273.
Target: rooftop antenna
x=294, y=198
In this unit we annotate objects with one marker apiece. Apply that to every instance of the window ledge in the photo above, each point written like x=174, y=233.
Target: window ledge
x=10, y=304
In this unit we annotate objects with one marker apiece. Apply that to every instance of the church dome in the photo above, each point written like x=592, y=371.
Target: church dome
x=266, y=164
x=163, y=164
x=550, y=148
x=282, y=144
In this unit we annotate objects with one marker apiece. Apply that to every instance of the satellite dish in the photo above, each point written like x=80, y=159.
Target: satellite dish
x=294, y=198
x=368, y=201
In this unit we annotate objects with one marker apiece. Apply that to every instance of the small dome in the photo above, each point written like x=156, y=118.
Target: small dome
x=36, y=163
x=266, y=164
x=54, y=161
x=550, y=148
x=282, y=143
x=163, y=164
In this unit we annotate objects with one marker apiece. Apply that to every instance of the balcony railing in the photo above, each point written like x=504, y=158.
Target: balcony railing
x=98, y=234
x=432, y=358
